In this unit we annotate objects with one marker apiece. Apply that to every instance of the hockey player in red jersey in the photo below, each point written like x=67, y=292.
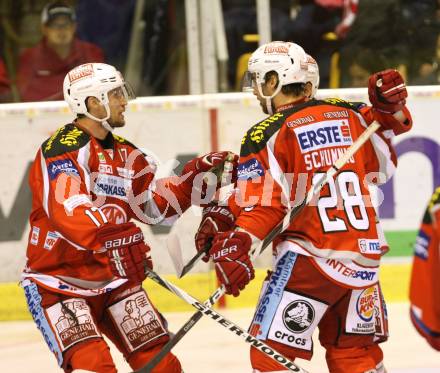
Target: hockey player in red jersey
x=326, y=263
x=424, y=293
x=86, y=260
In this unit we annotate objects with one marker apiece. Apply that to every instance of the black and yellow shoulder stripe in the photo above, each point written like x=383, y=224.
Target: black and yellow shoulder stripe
x=66, y=139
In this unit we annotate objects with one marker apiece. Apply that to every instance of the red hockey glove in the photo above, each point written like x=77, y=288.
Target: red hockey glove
x=212, y=162
x=215, y=219
x=126, y=249
x=230, y=253
x=387, y=91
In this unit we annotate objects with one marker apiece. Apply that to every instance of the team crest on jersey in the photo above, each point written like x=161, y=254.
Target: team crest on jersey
x=298, y=316
x=325, y=134
x=251, y=169
x=65, y=166
x=114, y=213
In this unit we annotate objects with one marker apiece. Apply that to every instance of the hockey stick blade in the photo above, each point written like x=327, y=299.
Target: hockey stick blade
x=220, y=319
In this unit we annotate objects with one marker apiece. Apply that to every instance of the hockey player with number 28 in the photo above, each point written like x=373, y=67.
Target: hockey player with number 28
x=85, y=260
x=326, y=263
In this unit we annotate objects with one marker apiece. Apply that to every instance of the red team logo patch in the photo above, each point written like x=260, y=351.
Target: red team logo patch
x=80, y=72
x=278, y=49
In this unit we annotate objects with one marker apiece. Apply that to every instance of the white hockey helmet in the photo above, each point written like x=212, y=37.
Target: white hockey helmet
x=93, y=79
x=288, y=60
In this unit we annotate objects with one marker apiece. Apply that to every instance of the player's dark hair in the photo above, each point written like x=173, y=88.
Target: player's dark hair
x=293, y=89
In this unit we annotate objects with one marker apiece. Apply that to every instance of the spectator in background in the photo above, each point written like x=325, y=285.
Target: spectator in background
x=373, y=29
x=240, y=19
x=314, y=20
x=357, y=64
x=43, y=67
x=5, y=89
x=420, y=27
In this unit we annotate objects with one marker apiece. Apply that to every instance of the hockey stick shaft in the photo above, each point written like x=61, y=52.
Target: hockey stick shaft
x=195, y=259
x=181, y=332
x=220, y=319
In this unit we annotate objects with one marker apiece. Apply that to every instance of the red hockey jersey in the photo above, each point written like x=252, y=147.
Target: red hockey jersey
x=425, y=281
x=282, y=156
x=78, y=183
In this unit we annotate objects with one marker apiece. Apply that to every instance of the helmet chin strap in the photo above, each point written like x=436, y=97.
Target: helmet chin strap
x=269, y=105
x=107, y=126
x=104, y=123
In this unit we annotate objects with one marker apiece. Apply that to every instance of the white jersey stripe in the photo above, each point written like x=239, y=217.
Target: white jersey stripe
x=83, y=161
x=45, y=177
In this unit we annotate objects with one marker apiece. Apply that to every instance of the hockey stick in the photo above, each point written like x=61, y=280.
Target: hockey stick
x=181, y=332
x=340, y=162
x=220, y=319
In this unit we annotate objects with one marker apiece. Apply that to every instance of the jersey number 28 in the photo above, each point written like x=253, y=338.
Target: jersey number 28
x=345, y=186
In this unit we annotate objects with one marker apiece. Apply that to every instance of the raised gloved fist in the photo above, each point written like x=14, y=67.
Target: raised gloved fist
x=230, y=254
x=215, y=219
x=128, y=253
x=206, y=187
x=387, y=91
x=212, y=162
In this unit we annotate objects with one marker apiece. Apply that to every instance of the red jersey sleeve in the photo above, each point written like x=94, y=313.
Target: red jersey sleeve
x=263, y=190
x=162, y=200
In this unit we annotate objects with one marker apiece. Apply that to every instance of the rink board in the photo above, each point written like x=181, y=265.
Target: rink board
x=394, y=280
x=173, y=129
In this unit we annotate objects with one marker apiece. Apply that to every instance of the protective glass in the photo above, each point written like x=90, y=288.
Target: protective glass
x=125, y=91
